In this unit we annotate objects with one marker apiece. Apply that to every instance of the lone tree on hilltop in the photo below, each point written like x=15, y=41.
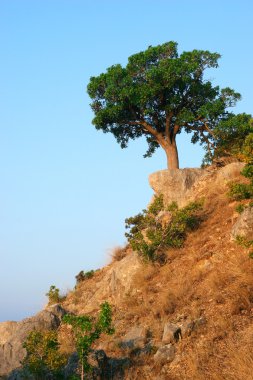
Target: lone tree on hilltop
x=157, y=95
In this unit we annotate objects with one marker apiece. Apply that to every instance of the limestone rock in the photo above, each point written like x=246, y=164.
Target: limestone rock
x=7, y=329
x=174, y=184
x=244, y=225
x=135, y=338
x=164, y=217
x=171, y=333
x=165, y=354
x=13, y=334
x=188, y=327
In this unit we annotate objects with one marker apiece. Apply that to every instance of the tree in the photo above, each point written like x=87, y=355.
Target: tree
x=234, y=137
x=43, y=359
x=157, y=95
x=86, y=332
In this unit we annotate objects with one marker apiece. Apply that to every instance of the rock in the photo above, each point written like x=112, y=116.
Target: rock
x=7, y=329
x=13, y=335
x=164, y=217
x=120, y=277
x=244, y=225
x=171, y=333
x=103, y=367
x=135, y=338
x=174, y=184
x=165, y=354
x=188, y=327
x=228, y=173
x=71, y=366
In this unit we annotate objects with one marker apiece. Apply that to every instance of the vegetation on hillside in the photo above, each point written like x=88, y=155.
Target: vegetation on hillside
x=159, y=228
x=86, y=331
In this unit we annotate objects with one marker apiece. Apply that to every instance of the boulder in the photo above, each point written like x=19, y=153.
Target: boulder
x=174, y=184
x=244, y=225
x=171, y=333
x=13, y=335
x=187, y=327
x=135, y=338
x=165, y=354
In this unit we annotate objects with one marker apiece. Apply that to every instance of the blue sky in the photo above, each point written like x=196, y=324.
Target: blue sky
x=66, y=188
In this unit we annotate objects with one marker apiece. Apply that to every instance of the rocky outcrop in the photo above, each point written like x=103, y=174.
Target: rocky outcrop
x=186, y=185
x=244, y=225
x=174, y=184
x=135, y=338
x=13, y=335
x=165, y=354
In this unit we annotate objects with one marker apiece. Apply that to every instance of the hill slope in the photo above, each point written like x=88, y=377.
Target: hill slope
x=190, y=318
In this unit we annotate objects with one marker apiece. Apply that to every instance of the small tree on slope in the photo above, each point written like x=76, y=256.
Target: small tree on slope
x=157, y=95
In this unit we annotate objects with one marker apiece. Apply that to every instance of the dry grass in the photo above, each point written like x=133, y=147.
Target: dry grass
x=211, y=277
x=118, y=253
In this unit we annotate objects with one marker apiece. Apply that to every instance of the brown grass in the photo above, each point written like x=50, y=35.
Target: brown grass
x=211, y=277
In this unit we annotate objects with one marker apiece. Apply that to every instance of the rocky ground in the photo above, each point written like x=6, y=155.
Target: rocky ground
x=188, y=319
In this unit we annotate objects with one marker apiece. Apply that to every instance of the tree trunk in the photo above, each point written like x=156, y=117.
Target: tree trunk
x=172, y=156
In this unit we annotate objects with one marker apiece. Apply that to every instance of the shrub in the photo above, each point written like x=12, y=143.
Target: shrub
x=241, y=240
x=240, y=191
x=54, y=295
x=240, y=208
x=150, y=237
x=118, y=253
x=82, y=276
x=43, y=359
x=86, y=331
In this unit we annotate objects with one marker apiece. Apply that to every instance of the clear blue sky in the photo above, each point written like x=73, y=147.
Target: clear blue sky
x=66, y=188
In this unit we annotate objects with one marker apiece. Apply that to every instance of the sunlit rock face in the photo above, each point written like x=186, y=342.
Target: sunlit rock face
x=186, y=185
x=175, y=184
x=13, y=335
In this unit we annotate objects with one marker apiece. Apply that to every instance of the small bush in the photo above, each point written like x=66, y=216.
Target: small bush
x=150, y=237
x=241, y=240
x=82, y=276
x=240, y=191
x=251, y=255
x=240, y=208
x=118, y=253
x=86, y=331
x=43, y=358
x=54, y=295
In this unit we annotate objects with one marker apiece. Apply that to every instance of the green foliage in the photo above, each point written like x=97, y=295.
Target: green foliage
x=149, y=236
x=86, y=331
x=54, y=295
x=251, y=255
x=241, y=240
x=82, y=276
x=240, y=208
x=240, y=191
x=231, y=136
x=157, y=95
x=156, y=206
x=43, y=359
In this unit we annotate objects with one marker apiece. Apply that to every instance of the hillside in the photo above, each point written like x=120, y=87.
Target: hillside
x=190, y=318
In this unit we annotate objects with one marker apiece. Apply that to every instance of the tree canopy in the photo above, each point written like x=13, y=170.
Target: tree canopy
x=157, y=95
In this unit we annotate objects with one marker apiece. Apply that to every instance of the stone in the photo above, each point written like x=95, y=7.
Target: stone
x=244, y=225
x=171, y=333
x=13, y=335
x=188, y=327
x=135, y=338
x=165, y=354
x=174, y=184
x=164, y=217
